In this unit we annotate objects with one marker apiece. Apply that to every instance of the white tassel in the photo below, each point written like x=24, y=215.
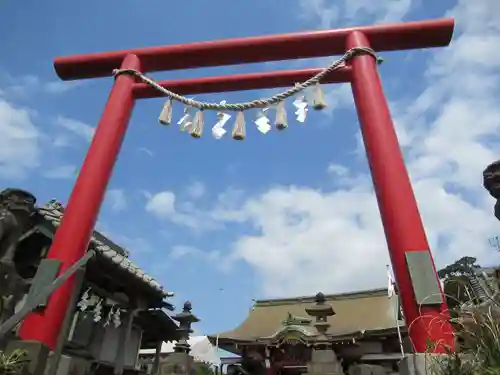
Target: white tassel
x=281, y=122
x=318, y=97
x=196, y=129
x=166, y=113
x=239, y=131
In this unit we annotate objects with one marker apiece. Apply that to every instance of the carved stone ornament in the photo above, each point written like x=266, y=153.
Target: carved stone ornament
x=16, y=209
x=491, y=182
x=292, y=320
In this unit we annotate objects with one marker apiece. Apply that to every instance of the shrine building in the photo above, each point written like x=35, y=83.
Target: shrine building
x=362, y=329
x=117, y=309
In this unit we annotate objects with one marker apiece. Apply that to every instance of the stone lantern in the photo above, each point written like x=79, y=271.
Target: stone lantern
x=180, y=362
x=185, y=319
x=323, y=359
x=321, y=311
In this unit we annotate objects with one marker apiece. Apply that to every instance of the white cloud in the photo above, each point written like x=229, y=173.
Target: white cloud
x=60, y=87
x=146, y=151
x=326, y=14
x=196, y=190
x=163, y=206
x=195, y=255
x=181, y=251
x=22, y=86
x=338, y=169
x=60, y=140
x=60, y=172
x=76, y=127
x=308, y=239
x=19, y=141
x=116, y=199
x=324, y=11
x=134, y=246
x=382, y=11
x=28, y=85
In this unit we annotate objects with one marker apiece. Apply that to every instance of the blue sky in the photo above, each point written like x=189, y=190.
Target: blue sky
x=222, y=222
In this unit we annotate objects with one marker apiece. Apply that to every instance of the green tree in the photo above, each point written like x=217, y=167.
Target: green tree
x=455, y=277
x=463, y=266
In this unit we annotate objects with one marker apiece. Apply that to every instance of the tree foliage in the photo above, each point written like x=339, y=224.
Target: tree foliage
x=462, y=267
x=457, y=286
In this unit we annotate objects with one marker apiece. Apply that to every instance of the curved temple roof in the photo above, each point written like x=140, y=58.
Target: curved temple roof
x=53, y=211
x=358, y=312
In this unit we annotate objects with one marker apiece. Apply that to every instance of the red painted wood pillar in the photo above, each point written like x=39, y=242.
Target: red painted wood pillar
x=73, y=235
x=404, y=230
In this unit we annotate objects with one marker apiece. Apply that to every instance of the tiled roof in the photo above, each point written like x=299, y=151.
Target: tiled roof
x=369, y=310
x=53, y=212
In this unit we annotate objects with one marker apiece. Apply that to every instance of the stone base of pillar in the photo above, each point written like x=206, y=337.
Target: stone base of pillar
x=421, y=364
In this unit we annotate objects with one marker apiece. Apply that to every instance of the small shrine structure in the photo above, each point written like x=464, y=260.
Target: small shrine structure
x=116, y=310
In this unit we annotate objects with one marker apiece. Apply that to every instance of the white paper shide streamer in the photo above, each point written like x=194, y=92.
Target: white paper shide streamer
x=301, y=108
x=97, y=307
x=218, y=130
x=262, y=121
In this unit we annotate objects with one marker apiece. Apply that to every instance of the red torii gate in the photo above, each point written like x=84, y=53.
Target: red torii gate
x=404, y=231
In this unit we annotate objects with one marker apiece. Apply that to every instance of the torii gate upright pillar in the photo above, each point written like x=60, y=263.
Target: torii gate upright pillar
x=403, y=226
x=407, y=243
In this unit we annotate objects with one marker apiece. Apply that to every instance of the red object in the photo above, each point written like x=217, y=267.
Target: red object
x=400, y=217
x=391, y=37
x=73, y=235
x=403, y=226
x=240, y=82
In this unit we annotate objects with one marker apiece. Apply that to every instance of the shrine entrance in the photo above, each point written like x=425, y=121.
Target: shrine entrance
x=421, y=295
x=290, y=358
x=290, y=348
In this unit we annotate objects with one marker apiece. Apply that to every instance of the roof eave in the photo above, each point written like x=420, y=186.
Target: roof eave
x=52, y=215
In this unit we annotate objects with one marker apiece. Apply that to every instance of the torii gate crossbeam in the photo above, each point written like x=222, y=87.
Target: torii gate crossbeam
x=401, y=220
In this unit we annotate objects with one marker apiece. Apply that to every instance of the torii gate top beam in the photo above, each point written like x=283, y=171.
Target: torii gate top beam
x=390, y=37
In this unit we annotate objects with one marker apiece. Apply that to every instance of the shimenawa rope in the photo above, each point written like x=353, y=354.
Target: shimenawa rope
x=258, y=103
